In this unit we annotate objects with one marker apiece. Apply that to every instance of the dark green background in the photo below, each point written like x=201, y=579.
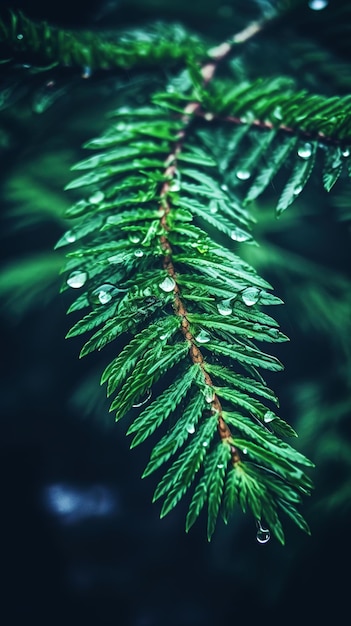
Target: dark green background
x=127, y=567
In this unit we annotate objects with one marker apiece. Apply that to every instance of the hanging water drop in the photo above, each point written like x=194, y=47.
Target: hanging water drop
x=244, y=450
x=224, y=307
x=220, y=465
x=144, y=400
x=243, y=174
x=209, y=395
x=250, y=296
x=77, y=279
x=224, y=187
x=134, y=238
x=103, y=294
x=263, y=535
x=174, y=186
x=163, y=336
x=167, y=284
x=96, y=197
x=138, y=253
x=297, y=190
x=213, y=207
x=68, y=237
x=239, y=235
x=191, y=429
x=19, y=36
x=203, y=337
x=268, y=417
x=318, y=5
x=305, y=150
x=205, y=444
x=345, y=153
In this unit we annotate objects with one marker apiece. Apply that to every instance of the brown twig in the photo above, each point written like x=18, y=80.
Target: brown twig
x=194, y=108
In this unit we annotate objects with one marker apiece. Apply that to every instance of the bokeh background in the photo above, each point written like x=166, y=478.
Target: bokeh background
x=81, y=543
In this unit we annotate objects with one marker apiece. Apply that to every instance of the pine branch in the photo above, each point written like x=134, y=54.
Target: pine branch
x=184, y=308
x=92, y=51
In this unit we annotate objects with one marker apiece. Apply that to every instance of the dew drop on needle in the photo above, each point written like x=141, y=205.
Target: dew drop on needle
x=167, y=284
x=263, y=535
x=250, y=296
x=77, y=279
x=144, y=400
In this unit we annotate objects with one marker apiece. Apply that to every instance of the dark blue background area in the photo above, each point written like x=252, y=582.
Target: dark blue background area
x=71, y=564
x=96, y=553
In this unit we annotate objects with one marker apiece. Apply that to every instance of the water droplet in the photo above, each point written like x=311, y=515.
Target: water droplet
x=96, y=197
x=263, y=534
x=297, y=190
x=249, y=116
x=209, y=395
x=121, y=126
x=138, y=253
x=239, y=235
x=144, y=400
x=318, y=5
x=19, y=36
x=68, y=237
x=243, y=174
x=103, y=294
x=203, y=337
x=205, y=444
x=77, y=279
x=163, y=337
x=345, y=152
x=305, y=150
x=191, y=429
x=209, y=117
x=213, y=207
x=250, y=296
x=167, y=284
x=268, y=417
x=134, y=238
x=224, y=187
x=174, y=186
x=244, y=450
x=220, y=465
x=224, y=307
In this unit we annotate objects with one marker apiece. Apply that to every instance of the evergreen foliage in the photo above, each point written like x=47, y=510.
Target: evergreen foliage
x=154, y=253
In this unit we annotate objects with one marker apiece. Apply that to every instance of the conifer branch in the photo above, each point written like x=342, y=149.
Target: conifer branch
x=182, y=309
x=207, y=72
x=48, y=45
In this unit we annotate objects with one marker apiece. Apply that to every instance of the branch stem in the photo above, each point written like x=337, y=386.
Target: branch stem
x=194, y=108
